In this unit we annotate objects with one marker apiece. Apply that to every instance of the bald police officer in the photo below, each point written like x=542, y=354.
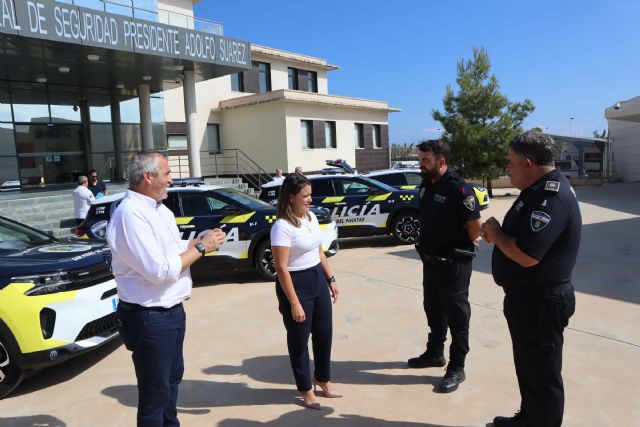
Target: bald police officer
x=450, y=222
x=533, y=258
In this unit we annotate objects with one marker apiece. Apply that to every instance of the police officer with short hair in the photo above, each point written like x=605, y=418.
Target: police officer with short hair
x=450, y=223
x=533, y=258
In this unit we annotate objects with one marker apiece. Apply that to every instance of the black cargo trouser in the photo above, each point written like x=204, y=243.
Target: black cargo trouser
x=536, y=323
x=446, y=304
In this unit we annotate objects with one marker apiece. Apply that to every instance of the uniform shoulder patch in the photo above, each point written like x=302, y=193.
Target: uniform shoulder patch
x=470, y=203
x=552, y=186
x=539, y=220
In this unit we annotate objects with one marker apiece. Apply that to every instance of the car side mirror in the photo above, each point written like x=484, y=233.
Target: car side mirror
x=375, y=191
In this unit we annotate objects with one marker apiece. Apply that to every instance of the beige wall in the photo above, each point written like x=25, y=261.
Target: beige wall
x=280, y=72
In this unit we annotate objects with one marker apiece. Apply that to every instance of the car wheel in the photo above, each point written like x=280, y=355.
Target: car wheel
x=10, y=375
x=264, y=261
x=406, y=227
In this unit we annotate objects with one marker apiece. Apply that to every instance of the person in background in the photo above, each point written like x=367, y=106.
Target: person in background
x=298, y=169
x=304, y=287
x=82, y=199
x=151, y=267
x=96, y=185
x=533, y=258
x=279, y=176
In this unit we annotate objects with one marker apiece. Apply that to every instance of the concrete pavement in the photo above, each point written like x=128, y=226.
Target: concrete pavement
x=238, y=375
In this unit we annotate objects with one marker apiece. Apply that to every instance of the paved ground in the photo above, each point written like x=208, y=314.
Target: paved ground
x=237, y=372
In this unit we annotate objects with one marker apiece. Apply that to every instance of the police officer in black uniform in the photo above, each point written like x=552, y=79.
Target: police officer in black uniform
x=450, y=223
x=533, y=258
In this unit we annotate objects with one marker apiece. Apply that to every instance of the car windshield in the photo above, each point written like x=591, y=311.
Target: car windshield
x=15, y=237
x=245, y=200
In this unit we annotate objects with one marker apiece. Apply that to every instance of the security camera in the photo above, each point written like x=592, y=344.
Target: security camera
x=616, y=106
x=75, y=108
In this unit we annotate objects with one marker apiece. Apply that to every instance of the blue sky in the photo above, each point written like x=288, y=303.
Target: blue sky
x=571, y=58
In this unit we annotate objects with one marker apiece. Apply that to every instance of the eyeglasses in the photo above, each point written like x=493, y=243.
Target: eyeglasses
x=94, y=176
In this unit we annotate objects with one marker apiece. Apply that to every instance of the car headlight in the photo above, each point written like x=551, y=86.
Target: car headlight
x=45, y=283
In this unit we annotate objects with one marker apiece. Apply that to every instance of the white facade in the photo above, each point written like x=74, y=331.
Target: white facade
x=267, y=126
x=624, y=140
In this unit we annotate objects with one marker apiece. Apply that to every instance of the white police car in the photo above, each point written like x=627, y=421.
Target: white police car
x=57, y=300
x=246, y=220
x=361, y=206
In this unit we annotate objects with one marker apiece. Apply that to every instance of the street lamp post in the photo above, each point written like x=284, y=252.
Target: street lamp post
x=570, y=122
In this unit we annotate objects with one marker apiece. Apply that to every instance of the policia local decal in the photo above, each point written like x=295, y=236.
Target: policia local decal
x=60, y=22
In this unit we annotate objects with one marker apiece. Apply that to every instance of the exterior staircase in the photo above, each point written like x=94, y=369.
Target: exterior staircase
x=52, y=211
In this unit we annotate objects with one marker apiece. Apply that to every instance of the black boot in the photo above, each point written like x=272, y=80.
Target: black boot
x=516, y=421
x=427, y=360
x=451, y=380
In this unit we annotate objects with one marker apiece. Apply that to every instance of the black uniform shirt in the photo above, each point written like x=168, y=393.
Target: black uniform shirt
x=546, y=222
x=445, y=207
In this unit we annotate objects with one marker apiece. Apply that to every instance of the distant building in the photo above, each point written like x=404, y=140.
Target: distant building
x=622, y=156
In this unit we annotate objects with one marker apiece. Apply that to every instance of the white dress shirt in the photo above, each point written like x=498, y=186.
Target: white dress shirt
x=146, y=247
x=82, y=198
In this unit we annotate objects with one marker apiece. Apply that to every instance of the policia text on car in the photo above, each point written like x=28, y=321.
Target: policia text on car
x=450, y=219
x=533, y=258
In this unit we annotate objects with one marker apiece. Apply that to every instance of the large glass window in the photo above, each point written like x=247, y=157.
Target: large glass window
x=375, y=136
x=213, y=137
x=312, y=81
x=5, y=104
x=177, y=142
x=8, y=163
x=306, y=133
x=30, y=103
x=330, y=134
x=358, y=135
x=293, y=78
x=237, y=83
x=130, y=111
x=264, y=70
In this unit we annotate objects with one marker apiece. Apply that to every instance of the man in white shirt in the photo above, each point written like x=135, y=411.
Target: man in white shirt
x=151, y=266
x=82, y=198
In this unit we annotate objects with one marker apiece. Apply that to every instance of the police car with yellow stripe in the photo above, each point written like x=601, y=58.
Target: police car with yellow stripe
x=410, y=179
x=246, y=220
x=361, y=206
x=57, y=300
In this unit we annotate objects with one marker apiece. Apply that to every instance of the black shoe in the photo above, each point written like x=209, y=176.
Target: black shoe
x=426, y=360
x=451, y=380
x=516, y=421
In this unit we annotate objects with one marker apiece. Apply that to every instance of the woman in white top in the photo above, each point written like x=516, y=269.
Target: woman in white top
x=305, y=288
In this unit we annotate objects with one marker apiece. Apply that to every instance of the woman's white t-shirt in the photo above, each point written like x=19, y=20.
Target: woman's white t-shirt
x=304, y=241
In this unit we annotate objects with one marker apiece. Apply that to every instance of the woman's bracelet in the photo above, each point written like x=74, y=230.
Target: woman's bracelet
x=331, y=279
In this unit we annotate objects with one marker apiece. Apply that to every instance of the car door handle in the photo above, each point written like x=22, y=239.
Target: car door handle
x=182, y=227
x=340, y=203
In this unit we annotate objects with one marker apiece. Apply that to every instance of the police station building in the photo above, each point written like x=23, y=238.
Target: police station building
x=81, y=83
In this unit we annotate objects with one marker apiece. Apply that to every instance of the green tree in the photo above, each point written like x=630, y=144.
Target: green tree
x=479, y=121
x=600, y=135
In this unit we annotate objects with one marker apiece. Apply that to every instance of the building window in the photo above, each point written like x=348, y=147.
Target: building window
x=293, y=78
x=177, y=142
x=264, y=79
x=237, y=83
x=312, y=81
x=330, y=135
x=359, y=135
x=213, y=137
x=306, y=133
x=375, y=136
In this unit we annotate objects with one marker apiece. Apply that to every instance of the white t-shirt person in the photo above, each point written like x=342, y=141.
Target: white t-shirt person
x=304, y=241
x=82, y=198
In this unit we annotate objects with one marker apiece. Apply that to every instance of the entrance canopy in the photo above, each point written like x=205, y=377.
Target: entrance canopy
x=54, y=42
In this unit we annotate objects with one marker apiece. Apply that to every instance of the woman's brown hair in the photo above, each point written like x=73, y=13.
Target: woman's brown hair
x=291, y=186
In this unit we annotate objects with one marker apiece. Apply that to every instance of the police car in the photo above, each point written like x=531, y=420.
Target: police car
x=408, y=179
x=361, y=206
x=246, y=220
x=57, y=300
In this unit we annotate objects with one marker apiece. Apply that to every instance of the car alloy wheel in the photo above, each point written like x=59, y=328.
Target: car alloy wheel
x=264, y=261
x=406, y=227
x=10, y=375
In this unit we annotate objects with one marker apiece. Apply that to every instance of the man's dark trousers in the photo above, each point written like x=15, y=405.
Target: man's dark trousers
x=536, y=324
x=155, y=336
x=446, y=304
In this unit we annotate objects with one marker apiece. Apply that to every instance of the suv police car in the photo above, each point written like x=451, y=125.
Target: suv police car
x=246, y=220
x=57, y=300
x=408, y=179
x=361, y=206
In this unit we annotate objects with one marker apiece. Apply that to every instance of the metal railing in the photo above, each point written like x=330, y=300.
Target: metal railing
x=108, y=170
x=163, y=16
x=235, y=162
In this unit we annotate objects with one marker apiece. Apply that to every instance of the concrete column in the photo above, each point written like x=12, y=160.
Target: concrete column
x=144, y=98
x=117, y=139
x=190, y=115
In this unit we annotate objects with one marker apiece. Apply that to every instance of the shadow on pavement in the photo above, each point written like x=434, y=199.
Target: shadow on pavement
x=367, y=242
x=65, y=371
x=318, y=418
x=32, y=421
x=276, y=370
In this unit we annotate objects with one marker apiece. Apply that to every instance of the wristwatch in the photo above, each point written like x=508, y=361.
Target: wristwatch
x=331, y=279
x=200, y=247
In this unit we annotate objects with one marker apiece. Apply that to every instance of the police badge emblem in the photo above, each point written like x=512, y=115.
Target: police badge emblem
x=539, y=220
x=470, y=203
